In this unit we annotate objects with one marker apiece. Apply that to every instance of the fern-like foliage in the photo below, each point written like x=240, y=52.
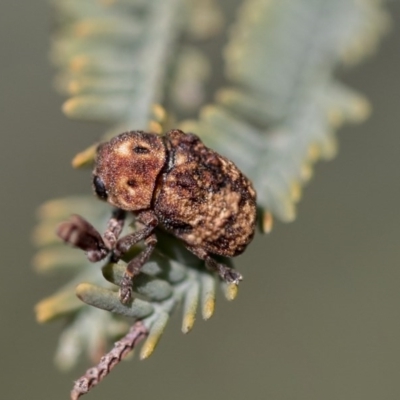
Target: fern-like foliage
x=118, y=60
x=280, y=113
x=113, y=59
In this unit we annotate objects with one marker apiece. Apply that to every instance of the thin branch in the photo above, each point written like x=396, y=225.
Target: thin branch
x=96, y=374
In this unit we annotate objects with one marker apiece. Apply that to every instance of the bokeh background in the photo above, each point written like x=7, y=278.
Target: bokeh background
x=317, y=317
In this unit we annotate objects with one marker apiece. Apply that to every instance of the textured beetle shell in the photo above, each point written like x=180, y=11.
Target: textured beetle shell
x=195, y=193
x=203, y=198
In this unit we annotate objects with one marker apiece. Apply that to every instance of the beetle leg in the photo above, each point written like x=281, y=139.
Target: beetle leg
x=149, y=219
x=125, y=243
x=133, y=268
x=229, y=275
x=80, y=233
x=114, y=227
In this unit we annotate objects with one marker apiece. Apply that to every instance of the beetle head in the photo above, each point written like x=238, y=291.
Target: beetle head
x=126, y=169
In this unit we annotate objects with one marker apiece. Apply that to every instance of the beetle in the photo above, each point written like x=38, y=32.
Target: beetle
x=174, y=182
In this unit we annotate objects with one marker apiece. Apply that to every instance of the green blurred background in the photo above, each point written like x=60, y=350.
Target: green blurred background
x=317, y=317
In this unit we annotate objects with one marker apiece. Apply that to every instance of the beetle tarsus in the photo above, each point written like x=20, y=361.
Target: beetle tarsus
x=133, y=268
x=227, y=274
x=125, y=289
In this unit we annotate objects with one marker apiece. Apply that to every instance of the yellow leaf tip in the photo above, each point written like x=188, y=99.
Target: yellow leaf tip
x=85, y=157
x=78, y=63
x=208, y=308
x=267, y=222
x=159, y=112
x=306, y=172
x=295, y=192
x=42, y=261
x=148, y=348
x=313, y=153
x=69, y=107
x=155, y=127
x=231, y=291
x=188, y=322
x=361, y=110
x=335, y=117
x=82, y=288
x=43, y=311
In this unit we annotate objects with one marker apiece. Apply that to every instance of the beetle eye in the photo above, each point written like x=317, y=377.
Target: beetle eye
x=141, y=150
x=100, y=188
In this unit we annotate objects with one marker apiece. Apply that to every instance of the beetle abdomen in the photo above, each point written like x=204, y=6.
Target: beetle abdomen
x=204, y=199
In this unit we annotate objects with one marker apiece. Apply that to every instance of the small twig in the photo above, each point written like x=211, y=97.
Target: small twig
x=96, y=374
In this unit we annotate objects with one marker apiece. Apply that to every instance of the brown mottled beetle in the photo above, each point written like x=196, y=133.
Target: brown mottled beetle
x=175, y=182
